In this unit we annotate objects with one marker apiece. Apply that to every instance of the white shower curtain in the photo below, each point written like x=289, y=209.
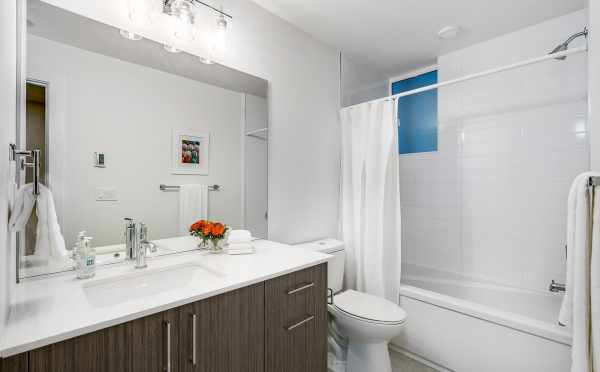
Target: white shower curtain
x=370, y=193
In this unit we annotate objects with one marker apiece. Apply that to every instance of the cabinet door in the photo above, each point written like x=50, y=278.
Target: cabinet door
x=137, y=346
x=17, y=363
x=224, y=333
x=296, y=322
x=153, y=343
x=83, y=353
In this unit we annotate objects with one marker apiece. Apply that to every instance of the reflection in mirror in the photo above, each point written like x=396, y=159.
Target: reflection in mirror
x=115, y=119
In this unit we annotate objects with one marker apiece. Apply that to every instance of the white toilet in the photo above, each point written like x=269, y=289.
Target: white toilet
x=368, y=322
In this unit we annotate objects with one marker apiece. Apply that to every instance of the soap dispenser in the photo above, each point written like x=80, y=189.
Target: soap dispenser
x=76, y=249
x=86, y=259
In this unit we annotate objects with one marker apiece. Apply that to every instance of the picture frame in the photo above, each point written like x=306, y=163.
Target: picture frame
x=190, y=151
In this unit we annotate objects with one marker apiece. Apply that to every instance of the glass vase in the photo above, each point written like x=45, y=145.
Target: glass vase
x=215, y=246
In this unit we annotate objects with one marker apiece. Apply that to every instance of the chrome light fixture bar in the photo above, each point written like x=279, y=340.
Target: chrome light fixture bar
x=169, y=10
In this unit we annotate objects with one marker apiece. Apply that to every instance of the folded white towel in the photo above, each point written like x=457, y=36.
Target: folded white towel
x=235, y=251
x=193, y=206
x=235, y=246
x=239, y=236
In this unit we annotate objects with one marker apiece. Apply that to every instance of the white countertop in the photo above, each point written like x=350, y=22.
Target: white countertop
x=57, y=308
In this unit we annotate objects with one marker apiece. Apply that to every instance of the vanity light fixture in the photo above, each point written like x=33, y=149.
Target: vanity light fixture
x=140, y=14
x=189, y=23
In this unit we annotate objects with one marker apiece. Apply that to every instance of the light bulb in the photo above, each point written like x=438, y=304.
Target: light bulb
x=140, y=14
x=221, y=35
x=183, y=28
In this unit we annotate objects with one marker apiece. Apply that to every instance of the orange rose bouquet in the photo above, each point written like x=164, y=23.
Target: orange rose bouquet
x=209, y=231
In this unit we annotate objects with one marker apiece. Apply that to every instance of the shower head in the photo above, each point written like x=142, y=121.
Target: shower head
x=565, y=45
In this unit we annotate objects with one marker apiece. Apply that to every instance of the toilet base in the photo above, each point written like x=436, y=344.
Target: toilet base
x=368, y=357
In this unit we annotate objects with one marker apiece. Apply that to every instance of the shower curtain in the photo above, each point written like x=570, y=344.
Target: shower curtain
x=370, y=198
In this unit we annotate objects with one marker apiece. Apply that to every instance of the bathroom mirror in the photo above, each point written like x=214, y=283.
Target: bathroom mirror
x=115, y=119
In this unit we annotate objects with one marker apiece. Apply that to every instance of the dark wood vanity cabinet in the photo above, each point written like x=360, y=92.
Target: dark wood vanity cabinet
x=296, y=322
x=224, y=333
x=276, y=326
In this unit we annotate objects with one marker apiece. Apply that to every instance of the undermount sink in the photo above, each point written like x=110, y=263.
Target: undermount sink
x=145, y=283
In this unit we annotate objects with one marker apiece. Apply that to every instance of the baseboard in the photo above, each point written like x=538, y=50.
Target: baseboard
x=397, y=349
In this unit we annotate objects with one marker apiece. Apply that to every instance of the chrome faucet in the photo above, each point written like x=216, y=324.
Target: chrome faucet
x=130, y=238
x=136, y=243
x=142, y=246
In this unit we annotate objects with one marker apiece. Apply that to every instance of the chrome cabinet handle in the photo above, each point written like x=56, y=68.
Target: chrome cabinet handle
x=302, y=322
x=300, y=289
x=194, y=322
x=168, y=324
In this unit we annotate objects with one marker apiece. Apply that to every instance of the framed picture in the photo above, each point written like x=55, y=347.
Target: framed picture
x=190, y=152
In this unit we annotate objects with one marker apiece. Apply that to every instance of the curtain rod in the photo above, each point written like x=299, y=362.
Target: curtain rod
x=478, y=75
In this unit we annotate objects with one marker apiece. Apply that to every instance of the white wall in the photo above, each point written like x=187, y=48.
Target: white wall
x=594, y=80
x=107, y=105
x=303, y=102
x=361, y=83
x=256, y=158
x=7, y=134
x=491, y=202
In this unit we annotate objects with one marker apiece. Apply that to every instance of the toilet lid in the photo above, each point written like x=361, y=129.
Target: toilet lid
x=369, y=307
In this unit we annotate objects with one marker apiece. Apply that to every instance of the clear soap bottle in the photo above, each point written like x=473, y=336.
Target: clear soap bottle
x=86, y=259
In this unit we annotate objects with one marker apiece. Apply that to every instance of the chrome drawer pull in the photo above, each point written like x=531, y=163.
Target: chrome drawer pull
x=194, y=337
x=302, y=322
x=300, y=289
x=168, y=368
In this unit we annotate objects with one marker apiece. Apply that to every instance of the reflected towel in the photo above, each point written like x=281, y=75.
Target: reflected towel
x=21, y=208
x=193, y=206
x=49, y=242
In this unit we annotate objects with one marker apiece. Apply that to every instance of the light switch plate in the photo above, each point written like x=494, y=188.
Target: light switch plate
x=99, y=160
x=106, y=194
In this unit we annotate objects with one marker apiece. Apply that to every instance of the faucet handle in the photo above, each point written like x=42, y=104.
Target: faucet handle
x=143, y=232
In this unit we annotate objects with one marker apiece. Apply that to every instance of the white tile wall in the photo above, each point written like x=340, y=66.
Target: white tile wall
x=490, y=203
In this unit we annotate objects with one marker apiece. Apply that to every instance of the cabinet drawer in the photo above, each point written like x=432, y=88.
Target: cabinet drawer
x=296, y=321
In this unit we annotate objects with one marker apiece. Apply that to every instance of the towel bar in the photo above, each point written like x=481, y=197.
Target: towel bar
x=176, y=188
x=34, y=164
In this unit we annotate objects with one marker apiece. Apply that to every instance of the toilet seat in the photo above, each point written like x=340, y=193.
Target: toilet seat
x=368, y=308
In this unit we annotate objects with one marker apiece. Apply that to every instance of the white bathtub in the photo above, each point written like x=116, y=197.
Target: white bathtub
x=481, y=327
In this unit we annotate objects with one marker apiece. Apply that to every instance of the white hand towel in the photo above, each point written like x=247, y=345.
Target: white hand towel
x=235, y=246
x=240, y=248
x=193, y=206
x=239, y=236
x=21, y=208
x=580, y=308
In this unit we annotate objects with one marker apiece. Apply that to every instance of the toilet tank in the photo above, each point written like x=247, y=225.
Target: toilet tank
x=335, y=266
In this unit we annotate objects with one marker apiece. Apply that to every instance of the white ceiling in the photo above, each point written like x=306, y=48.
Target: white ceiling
x=396, y=36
